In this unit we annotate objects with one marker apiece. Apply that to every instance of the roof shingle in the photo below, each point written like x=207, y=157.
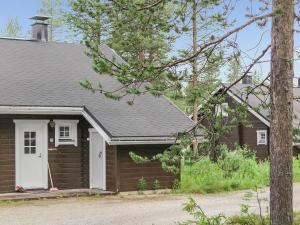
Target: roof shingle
x=48, y=74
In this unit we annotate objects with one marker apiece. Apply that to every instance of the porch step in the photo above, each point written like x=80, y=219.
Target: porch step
x=46, y=194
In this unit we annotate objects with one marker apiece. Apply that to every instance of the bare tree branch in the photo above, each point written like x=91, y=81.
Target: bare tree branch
x=216, y=42
x=248, y=70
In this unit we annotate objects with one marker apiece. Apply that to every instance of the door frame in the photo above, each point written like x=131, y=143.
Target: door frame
x=92, y=130
x=44, y=124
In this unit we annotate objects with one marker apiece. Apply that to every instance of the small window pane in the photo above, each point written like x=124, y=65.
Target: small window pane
x=26, y=134
x=33, y=150
x=33, y=143
x=32, y=134
x=26, y=151
x=26, y=142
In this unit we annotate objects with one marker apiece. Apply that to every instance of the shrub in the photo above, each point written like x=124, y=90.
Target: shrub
x=234, y=170
x=156, y=185
x=175, y=184
x=141, y=185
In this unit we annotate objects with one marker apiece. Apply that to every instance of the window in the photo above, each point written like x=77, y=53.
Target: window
x=65, y=132
x=262, y=138
x=222, y=109
x=29, y=142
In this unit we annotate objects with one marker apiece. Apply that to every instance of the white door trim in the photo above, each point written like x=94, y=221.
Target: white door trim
x=18, y=144
x=92, y=130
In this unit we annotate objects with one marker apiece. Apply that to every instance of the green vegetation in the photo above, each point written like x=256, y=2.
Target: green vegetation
x=141, y=185
x=246, y=217
x=234, y=170
x=156, y=185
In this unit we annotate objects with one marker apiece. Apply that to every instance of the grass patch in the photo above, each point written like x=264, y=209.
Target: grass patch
x=234, y=170
x=256, y=220
x=12, y=203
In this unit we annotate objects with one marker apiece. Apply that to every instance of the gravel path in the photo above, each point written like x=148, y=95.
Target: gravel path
x=124, y=210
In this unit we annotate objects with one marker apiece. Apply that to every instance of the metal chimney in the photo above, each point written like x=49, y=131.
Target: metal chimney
x=40, y=28
x=247, y=79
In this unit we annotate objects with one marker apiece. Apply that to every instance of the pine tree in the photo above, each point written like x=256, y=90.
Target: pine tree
x=234, y=71
x=53, y=9
x=12, y=29
x=281, y=131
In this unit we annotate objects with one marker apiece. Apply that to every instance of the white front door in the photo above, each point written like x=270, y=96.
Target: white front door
x=97, y=160
x=31, y=154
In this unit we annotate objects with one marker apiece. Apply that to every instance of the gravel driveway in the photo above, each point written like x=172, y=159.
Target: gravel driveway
x=123, y=210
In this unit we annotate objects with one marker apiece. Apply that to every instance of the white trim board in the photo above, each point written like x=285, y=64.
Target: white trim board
x=140, y=142
x=251, y=110
x=41, y=110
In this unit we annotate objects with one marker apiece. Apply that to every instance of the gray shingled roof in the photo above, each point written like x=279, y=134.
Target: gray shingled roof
x=262, y=96
x=48, y=74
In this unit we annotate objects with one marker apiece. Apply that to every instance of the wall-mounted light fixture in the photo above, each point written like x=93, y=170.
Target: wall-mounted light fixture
x=52, y=123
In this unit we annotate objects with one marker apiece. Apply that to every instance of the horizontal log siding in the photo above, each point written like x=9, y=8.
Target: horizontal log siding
x=129, y=172
x=111, y=168
x=69, y=164
x=249, y=137
x=7, y=155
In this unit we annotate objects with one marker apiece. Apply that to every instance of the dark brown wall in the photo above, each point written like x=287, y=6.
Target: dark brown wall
x=111, y=168
x=69, y=164
x=7, y=155
x=244, y=134
x=250, y=137
x=123, y=174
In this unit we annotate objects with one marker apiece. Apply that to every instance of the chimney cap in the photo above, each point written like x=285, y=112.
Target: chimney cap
x=40, y=17
x=247, y=79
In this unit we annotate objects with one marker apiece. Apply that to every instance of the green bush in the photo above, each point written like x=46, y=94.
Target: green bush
x=175, y=185
x=234, y=170
x=141, y=185
x=156, y=185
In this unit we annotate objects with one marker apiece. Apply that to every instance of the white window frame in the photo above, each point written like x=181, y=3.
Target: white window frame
x=72, y=124
x=260, y=141
x=222, y=109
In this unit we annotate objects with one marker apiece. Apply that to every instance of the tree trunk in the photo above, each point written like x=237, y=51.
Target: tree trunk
x=281, y=137
x=194, y=69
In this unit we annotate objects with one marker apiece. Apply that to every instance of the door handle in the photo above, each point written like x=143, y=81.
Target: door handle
x=40, y=155
x=100, y=154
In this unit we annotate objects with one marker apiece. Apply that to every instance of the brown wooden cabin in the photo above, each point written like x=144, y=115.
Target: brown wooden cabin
x=255, y=136
x=70, y=165
x=49, y=124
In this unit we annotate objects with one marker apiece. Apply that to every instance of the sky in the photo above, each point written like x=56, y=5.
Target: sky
x=248, y=39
